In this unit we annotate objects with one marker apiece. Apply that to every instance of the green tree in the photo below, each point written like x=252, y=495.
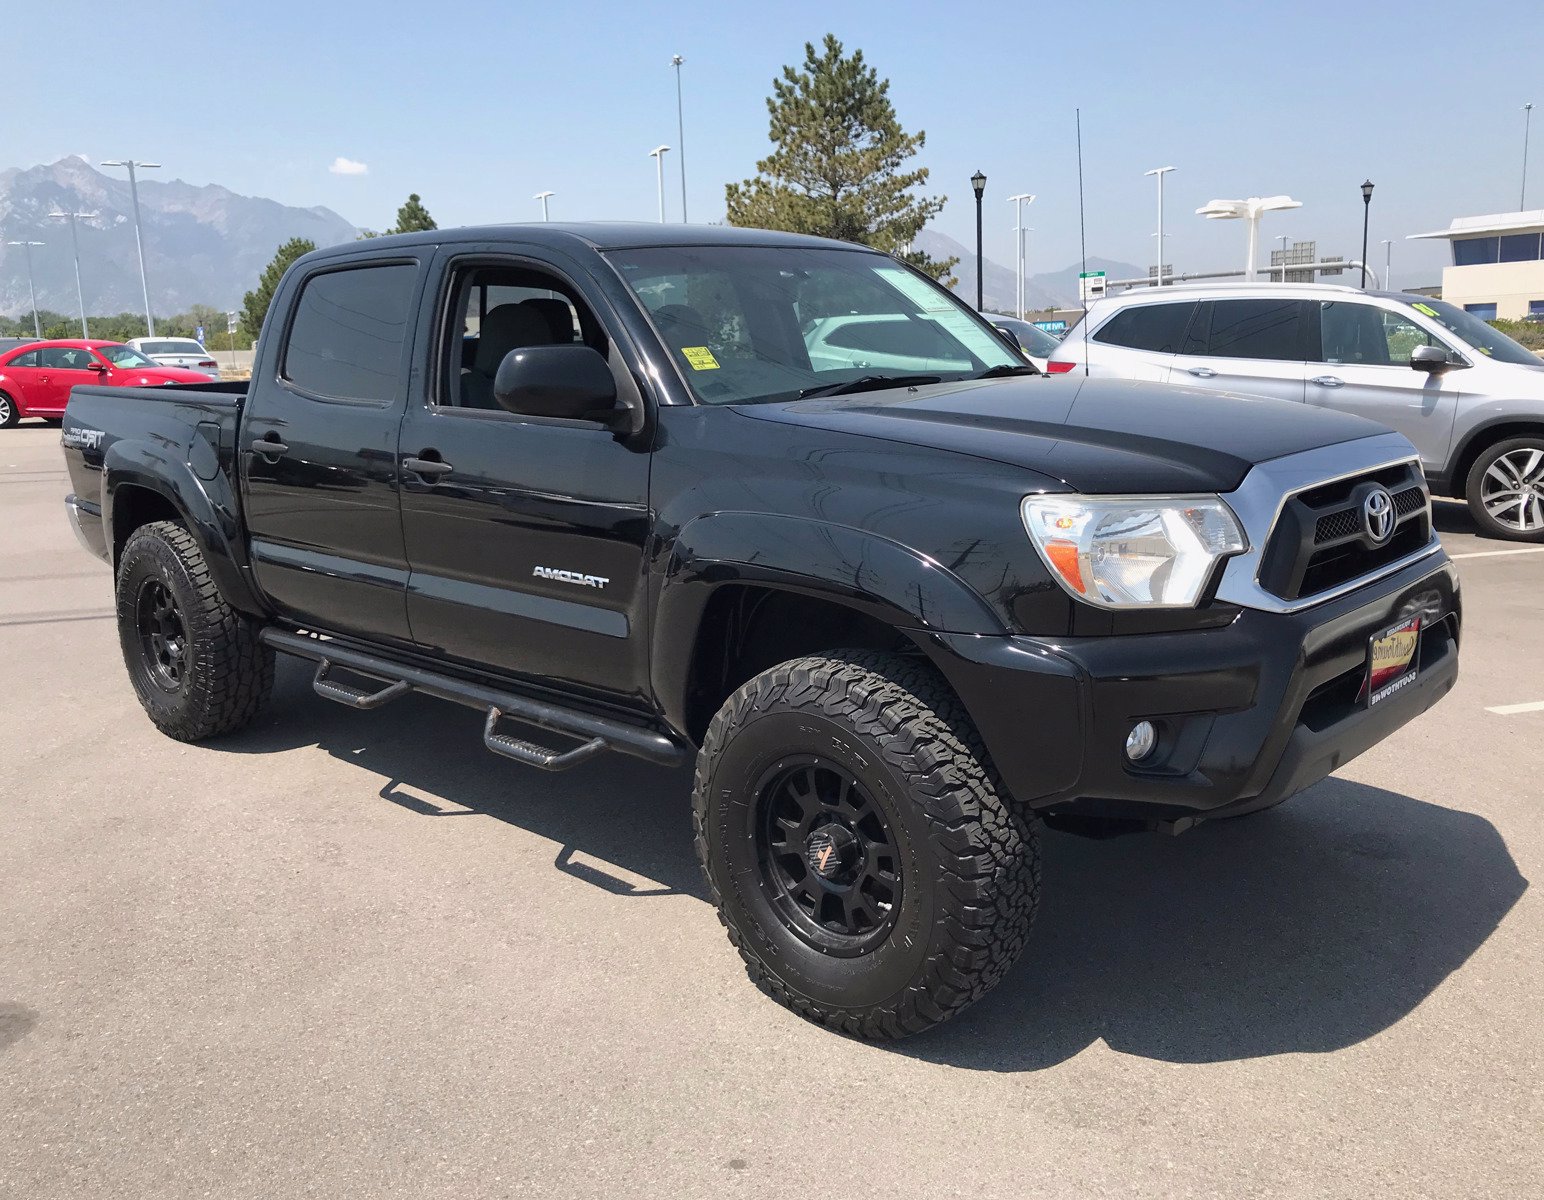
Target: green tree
x=838, y=159
x=254, y=305
x=412, y=217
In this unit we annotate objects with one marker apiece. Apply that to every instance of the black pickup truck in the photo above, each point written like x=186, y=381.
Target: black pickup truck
x=787, y=506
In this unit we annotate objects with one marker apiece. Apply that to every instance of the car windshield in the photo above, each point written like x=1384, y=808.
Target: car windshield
x=185, y=346
x=750, y=323
x=124, y=356
x=1483, y=337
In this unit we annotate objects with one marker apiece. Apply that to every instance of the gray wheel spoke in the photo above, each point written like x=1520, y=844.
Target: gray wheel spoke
x=1501, y=504
x=1529, y=470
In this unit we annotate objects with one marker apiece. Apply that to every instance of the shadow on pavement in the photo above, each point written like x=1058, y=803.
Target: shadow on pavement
x=1303, y=929
x=1453, y=516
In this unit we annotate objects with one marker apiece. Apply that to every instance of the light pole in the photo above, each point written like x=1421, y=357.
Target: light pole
x=978, y=185
x=658, y=155
x=139, y=241
x=1283, y=238
x=1160, y=172
x=543, y=196
x=31, y=289
x=1522, y=202
x=680, y=121
x=1366, y=209
x=80, y=294
x=1388, y=263
x=1249, y=211
x=1019, y=202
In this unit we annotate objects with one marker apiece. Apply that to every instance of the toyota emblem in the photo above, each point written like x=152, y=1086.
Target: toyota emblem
x=1378, y=515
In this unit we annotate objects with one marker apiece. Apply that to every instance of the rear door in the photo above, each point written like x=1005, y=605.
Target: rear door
x=1138, y=342
x=319, y=447
x=1362, y=366
x=525, y=534
x=1256, y=347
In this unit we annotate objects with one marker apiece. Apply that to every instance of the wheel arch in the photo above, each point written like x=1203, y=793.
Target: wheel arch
x=1480, y=439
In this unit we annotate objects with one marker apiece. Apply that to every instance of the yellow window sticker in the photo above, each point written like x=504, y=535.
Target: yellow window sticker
x=700, y=358
x=1425, y=308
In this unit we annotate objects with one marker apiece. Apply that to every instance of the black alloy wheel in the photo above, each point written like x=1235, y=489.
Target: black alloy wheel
x=162, y=634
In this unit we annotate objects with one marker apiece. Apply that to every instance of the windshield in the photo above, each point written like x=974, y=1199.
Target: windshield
x=185, y=346
x=751, y=323
x=1485, y=338
x=124, y=356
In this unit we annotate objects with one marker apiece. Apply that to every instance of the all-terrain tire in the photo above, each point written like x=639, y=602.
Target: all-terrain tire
x=1506, y=461
x=969, y=862
x=212, y=675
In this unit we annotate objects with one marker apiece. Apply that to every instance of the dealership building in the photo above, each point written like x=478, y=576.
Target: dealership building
x=1498, y=265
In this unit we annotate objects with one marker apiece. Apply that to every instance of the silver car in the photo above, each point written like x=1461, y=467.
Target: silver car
x=1469, y=397
x=177, y=352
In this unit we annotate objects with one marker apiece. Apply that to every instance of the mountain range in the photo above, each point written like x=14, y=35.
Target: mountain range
x=203, y=245
x=208, y=245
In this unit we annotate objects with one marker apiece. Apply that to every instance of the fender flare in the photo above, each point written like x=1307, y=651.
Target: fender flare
x=851, y=567
x=1481, y=433
x=208, y=507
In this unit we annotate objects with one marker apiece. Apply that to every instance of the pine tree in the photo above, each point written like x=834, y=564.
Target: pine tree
x=836, y=167
x=254, y=305
x=413, y=217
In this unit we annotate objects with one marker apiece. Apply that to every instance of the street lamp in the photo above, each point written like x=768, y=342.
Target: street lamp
x=1522, y=202
x=31, y=290
x=1283, y=256
x=658, y=155
x=1388, y=262
x=543, y=196
x=1250, y=210
x=1366, y=208
x=978, y=185
x=1160, y=172
x=139, y=241
x=1019, y=202
x=80, y=294
x=675, y=61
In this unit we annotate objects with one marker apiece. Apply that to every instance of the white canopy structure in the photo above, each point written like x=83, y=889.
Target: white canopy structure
x=1250, y=210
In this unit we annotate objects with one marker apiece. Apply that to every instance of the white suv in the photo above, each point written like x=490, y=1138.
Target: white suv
x=1469, y=397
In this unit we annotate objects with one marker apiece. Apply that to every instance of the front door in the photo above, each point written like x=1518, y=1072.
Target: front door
x=525, y=535
x=319, y=450
x=1255, y=347
x=60, y=369
x=1364, y=368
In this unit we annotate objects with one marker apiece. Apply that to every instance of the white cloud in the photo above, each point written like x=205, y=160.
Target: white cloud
x=347, y=166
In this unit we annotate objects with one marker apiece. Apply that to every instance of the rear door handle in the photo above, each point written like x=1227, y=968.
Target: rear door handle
x=270, y=448
x=1329, y=381
x=1200, y=372
x=428, y=469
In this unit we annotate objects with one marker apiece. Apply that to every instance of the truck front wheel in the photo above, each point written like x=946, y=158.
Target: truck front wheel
x=196, y=664
x=854, y=836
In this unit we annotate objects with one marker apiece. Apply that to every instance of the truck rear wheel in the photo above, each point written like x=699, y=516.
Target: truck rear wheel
x=860, y=851
x=196, y=664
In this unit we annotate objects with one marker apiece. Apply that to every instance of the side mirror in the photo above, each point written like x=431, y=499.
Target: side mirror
x=572, y=382
x=1009, y=336
x=1431, y=359
x=100, y=368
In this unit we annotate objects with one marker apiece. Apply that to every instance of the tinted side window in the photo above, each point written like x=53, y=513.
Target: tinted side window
x=29, y=359
x=65, y=358
x=1270, y=329
x=1156, y=327
x=347, y=336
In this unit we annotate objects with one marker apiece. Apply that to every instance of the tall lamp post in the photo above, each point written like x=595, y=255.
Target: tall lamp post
x=31, y=289
x=658, y=155
x=544, y=197
x=1283, y=237
x=1249, y=211
x=1388, y=263
x=978, y=185
x=1160, y=172
x=1019, y=202
x=680, y=124
x=1522, y=202
x=80, y=294
x=1366, y=208
x=139, y=241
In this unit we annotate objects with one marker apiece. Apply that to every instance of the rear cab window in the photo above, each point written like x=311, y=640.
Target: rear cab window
x=349, y=333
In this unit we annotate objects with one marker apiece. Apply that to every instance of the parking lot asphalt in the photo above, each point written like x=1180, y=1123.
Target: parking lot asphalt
x=354, y=955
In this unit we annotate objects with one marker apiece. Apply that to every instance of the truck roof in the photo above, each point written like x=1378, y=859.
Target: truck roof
x=597, y=235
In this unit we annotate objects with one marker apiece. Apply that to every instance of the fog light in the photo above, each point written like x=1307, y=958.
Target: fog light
x=1141, y=741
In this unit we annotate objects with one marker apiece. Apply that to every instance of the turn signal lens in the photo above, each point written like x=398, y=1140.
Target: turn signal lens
x=1133, y=551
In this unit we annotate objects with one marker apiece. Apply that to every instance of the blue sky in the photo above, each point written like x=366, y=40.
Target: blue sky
x=478, y=105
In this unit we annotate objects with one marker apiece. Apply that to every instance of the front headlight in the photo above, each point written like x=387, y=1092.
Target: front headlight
x=1133, y=551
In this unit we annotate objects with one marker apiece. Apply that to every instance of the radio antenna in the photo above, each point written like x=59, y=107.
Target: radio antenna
x=1083, y=244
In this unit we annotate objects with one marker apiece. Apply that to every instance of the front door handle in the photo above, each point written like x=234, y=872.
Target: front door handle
x=1200, y=372
x=270, y=448
x=1329, y=381
x=427, y=469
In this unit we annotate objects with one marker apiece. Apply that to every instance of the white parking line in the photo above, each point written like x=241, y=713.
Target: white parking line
x=1507, y=710
x=1498, y=553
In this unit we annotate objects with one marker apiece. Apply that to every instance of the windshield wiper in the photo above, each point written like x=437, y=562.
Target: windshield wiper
x=868, y=383
x=1005, y=370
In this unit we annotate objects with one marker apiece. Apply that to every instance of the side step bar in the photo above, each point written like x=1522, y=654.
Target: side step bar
x=595, y=732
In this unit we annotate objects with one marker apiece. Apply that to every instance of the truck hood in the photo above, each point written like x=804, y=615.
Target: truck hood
x=1096, y=436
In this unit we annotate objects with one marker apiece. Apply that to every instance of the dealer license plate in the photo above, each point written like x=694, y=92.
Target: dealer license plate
x=1392, y=660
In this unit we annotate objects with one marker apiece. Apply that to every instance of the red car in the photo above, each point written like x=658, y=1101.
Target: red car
x=35, y=379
